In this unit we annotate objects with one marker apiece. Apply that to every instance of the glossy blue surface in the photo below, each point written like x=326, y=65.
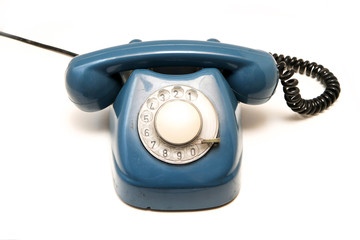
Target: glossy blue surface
x=145, y=182
x=247, y=75
x=252, y=74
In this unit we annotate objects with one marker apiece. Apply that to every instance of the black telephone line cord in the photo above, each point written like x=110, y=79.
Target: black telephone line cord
x=37, y=44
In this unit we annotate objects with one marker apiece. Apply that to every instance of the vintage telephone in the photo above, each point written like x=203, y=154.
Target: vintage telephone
x=174, y=121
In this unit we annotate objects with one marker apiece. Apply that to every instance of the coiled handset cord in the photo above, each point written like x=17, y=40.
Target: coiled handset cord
x=287, y=67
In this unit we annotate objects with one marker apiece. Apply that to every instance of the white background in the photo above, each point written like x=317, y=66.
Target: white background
x=300, y=176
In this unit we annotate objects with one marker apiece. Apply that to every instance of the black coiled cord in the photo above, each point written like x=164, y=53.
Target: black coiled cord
x=288, y=66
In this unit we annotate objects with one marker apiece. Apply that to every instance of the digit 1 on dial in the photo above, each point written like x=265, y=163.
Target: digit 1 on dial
x=191, y=95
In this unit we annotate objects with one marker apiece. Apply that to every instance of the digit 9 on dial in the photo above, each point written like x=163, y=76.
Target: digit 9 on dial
x=174, y=120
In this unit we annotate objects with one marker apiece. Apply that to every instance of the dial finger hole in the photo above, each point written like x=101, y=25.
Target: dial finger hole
x=163, y=95
x=177, y=92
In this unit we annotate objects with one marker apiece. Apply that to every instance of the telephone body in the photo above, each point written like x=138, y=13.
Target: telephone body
x=176, y=135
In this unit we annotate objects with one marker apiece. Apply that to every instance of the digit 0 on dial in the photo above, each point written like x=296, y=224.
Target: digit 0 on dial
x=174, y=120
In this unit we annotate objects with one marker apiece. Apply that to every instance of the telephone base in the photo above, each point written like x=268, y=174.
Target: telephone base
x=176, y=199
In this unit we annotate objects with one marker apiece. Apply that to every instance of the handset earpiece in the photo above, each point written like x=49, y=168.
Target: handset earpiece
x=91, y=89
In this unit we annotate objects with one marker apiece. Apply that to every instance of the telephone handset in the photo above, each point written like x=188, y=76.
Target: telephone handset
x=176, y=139
x=175, y=120
x=252, y=74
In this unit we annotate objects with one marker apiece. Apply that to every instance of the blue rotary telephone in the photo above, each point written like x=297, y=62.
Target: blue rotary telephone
x=174, y=118
x=176, y=139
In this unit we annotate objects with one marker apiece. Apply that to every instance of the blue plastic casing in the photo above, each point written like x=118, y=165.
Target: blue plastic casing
x=252, y=74
x=141, y=180
x=145, y=182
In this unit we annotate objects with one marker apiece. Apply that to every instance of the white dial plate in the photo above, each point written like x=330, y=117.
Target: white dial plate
x=173, y=121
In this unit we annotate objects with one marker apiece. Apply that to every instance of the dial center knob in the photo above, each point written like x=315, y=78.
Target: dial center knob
x=178, y=122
